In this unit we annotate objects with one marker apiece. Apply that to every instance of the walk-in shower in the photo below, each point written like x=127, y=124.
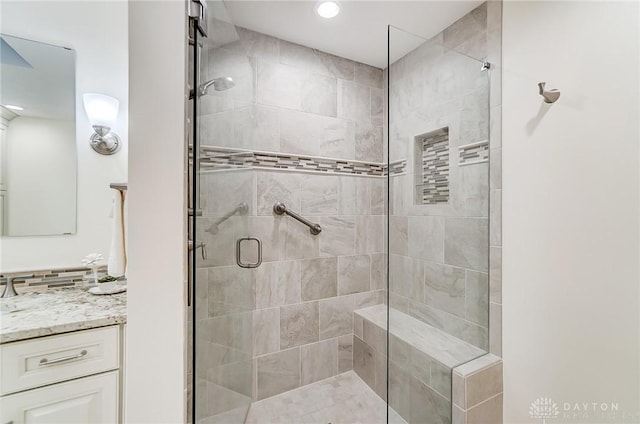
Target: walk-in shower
x=358, y=300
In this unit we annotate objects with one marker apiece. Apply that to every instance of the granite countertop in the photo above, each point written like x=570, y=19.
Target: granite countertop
x=54, y=311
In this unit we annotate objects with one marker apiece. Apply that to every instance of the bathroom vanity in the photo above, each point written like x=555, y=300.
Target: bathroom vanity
x=62, y=354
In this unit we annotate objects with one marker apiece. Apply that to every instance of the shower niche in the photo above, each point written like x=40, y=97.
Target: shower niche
x=432, y=167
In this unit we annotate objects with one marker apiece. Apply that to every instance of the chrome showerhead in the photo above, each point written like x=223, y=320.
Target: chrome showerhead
x=219, y=84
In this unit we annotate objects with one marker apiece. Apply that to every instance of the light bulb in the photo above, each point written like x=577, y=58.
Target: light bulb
x=327, y=9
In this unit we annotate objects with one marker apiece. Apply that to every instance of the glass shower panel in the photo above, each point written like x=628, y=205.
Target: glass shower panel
x=438, y=221
x=222, y=183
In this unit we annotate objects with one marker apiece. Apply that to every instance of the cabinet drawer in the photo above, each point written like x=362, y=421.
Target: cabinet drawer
x=47, y=360
x=89, y=400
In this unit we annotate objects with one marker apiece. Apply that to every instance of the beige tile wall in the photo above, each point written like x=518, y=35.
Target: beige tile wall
x=439, y=259
x=463, y=280
x=297, y=306
x=477, y=391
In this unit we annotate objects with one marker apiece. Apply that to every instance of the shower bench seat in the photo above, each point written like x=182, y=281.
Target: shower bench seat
x=433, y=342
x=422, y=359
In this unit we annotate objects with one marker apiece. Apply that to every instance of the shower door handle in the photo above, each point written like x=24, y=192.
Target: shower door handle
x=239, y=253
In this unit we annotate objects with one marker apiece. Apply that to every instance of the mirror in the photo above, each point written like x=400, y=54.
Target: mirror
x=37, y=138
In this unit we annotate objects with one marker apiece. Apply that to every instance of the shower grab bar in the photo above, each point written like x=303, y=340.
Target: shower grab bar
x=280, y=208
x=242, y=208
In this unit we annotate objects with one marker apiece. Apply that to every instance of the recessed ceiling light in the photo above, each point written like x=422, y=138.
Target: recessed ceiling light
x=327, y=9
x=13, y=107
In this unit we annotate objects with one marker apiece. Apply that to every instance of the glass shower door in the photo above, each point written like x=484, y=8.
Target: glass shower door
x=223, y=254
x=438, y=220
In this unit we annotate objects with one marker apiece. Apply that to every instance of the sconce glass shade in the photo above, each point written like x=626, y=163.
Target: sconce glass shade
x=102, y=112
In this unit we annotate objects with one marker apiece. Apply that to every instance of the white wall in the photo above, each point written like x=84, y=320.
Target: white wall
x=40, y=176
x=97, y=31
x=157, y=259
x=570, y=208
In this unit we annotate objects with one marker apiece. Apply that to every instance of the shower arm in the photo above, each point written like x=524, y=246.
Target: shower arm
x=279, y=208
x=241, y=208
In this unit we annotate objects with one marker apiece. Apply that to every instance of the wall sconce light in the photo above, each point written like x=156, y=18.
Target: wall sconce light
x=102, y=112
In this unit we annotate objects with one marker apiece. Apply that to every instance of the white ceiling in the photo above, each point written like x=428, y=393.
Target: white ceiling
x=359, y=32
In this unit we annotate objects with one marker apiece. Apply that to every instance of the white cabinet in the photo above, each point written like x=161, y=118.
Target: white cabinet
x=37, y=362
x=68, y=378
x=87, y=400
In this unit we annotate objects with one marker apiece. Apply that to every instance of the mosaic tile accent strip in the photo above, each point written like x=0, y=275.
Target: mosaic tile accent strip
x=398, y=167
x=66, y=277
x=473, y=153
x=432, y=185
x=214, y=158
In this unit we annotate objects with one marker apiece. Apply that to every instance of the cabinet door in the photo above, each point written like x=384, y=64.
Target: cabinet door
x=87, y=400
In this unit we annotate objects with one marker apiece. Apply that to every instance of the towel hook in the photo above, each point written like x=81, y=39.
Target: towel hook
x=550, y=96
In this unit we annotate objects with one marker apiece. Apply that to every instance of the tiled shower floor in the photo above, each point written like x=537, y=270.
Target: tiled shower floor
x=343, y=399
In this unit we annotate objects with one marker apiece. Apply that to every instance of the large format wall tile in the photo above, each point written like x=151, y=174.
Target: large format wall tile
x=319, y=278
x=266, y=331
x=319, y=195
x=233, y=186
x=467, y=243
x=338, y=236
x=256, y=128
x=277, y=187
x=399, y=235
x=345, y=353
x=477, y=303
x=472, y=190
x=354, y=274
x=301, y=57
x=290, y=99
x=298, y=324
x=426, y=236
x=259, y=45
x=407, y=277
x=370, y=234
x=354, y=196
x=279, y=85
x=368, y=75
x=468, y=34
x=354, y=101
x=231, y=289
x=377, y=106
x=364, y=361
x=272, y=231
x=379, y=271
x=319, y=361
x=336, y=317
x=277, y=284
x=299, y=243
x=427, y=405
x=336, y=66
x=278, y=372
x=319, y=95
x=445, y=288
x=369, y=143
x=312, y=134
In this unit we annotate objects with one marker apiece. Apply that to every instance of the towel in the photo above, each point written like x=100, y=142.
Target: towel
x=118, y=255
